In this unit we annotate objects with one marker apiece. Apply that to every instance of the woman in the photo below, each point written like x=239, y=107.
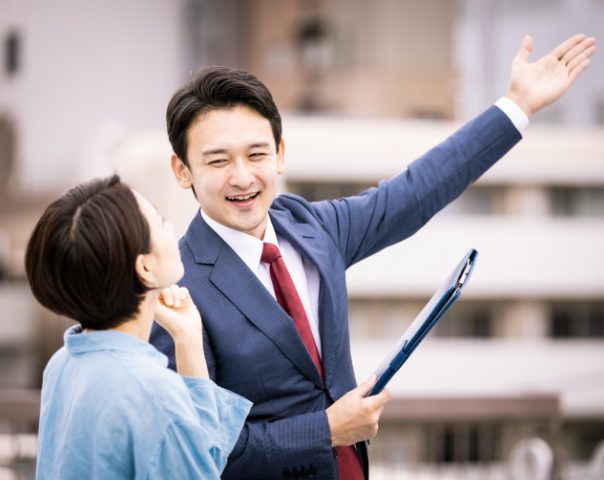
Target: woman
x=103, y=256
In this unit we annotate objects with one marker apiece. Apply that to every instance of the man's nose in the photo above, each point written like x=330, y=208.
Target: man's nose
x=241, y=174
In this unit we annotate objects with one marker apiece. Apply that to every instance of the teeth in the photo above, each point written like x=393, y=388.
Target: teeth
x=242, y=198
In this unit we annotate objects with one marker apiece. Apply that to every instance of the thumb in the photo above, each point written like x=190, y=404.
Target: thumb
x=364, y=388
x=525, y=49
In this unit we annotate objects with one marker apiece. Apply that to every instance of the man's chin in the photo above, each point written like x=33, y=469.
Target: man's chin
x=249, y=225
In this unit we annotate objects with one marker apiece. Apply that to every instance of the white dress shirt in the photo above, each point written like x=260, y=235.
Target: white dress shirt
x=304, y=274
x=514, y=112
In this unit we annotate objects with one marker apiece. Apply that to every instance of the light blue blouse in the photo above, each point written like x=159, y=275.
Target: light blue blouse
x=112, y=410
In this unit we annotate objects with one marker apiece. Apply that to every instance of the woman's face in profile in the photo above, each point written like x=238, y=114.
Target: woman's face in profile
x=164, y=259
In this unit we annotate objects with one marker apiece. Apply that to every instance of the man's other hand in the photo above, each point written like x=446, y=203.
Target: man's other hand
x=354, y=418
x=536, y=85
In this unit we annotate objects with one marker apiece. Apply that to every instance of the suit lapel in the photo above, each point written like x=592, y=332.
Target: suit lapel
x=308, y=242
x=240, y=285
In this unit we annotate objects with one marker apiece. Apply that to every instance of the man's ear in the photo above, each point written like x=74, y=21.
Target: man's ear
x=143, y=271
x=281, y=157
x=181, y=172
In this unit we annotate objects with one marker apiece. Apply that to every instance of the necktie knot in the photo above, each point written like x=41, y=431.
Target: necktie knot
x=270, y=253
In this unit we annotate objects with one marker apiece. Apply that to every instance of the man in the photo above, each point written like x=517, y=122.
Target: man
x=268, y=274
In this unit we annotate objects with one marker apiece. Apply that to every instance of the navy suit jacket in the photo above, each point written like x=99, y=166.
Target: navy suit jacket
x=252, y=346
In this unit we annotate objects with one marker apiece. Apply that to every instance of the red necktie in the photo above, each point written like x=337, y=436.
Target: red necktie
x=287, y=296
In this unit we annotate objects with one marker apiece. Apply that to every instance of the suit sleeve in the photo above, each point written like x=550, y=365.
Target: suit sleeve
x=267, y=450
x=379, y=217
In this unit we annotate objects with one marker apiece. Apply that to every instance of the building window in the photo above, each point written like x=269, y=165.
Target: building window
x=12, y=47
x=577, y=321
x=478, y=200
x=577, y=202
x=463, y=443
x=467, y=320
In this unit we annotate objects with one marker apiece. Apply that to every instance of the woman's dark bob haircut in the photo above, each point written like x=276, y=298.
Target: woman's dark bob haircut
x=81, y=256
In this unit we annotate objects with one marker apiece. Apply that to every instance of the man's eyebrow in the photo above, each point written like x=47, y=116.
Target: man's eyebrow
x=223, y=151
x=217, y=151
x=259, y=145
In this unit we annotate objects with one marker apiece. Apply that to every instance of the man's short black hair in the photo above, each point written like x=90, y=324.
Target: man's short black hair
x=80, y=260
x=217, y=88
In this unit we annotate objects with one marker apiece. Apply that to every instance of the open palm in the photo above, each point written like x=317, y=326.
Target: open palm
x=536, y=85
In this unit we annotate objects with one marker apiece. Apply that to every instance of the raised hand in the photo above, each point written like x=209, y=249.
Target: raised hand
x=536, y=85
x=177, y=313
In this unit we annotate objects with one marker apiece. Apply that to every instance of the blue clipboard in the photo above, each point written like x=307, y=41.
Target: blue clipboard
x=425, y=321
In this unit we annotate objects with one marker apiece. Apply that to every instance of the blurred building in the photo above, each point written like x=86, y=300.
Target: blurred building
x=367, y=87
x=361, y=57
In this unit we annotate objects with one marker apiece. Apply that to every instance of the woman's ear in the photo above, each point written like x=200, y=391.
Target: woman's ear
x=144, y=272
x=181, y=172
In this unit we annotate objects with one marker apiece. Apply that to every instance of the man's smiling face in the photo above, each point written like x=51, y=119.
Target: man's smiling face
x=234, y=166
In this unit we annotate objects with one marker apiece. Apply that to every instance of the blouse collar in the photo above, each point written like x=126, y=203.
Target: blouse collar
x=77, y=342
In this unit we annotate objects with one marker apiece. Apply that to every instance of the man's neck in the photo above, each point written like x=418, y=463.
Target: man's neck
x=257, y=232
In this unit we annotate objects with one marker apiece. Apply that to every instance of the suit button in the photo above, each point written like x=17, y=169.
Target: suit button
x=312, y=473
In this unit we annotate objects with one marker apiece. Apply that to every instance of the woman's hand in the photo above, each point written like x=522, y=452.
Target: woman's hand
x=177, y=313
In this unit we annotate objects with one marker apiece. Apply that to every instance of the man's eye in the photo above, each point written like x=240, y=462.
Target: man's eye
x=258, y=155
x=217, y=162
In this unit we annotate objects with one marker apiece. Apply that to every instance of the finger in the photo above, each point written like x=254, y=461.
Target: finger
x=577, y=61
x=364, y=388
x=166, y=296
x=176, y=295
x=577, y=50
x=564, y=47
x=525, y=49
x=184, y=293
x=378, y=401
x=578, y=70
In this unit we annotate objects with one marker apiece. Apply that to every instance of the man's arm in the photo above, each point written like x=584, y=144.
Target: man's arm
x=363, y=225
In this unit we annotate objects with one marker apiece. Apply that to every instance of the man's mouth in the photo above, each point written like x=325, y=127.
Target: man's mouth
x=243, y=198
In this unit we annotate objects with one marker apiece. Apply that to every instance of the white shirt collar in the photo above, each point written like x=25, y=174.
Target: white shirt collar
x=247, y=247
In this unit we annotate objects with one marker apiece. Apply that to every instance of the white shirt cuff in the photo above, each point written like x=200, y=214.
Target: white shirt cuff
x=514, y=112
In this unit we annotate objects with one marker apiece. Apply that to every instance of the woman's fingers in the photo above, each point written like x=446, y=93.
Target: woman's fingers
x=184, y=293
x=174, y=295
x=166, y=296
